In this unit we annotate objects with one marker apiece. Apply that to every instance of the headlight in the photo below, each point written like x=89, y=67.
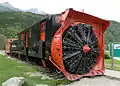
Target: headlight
x=13, y=45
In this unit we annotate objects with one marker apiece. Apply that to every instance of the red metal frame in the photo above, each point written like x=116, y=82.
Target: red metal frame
x=43, y=63
x=42, y=31
x=27, y=34
x=8, y=44
x=42, y=37
x=22, y=36
x=71, y=17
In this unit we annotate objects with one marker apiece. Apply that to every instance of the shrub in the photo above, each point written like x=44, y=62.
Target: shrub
x=106, y=55
x=2, y=41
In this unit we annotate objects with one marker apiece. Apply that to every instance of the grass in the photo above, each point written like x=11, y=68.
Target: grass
x=33, y=80
x=109, y=61
x=13, y=68
x=108, y=64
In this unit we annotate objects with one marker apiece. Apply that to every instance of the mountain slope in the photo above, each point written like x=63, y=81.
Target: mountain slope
x=6, y=7
x=112, y=34
x=13, y=22
x=36, y=11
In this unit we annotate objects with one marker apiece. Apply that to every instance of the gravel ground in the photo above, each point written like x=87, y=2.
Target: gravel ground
x=97, y=81
x=112, y=73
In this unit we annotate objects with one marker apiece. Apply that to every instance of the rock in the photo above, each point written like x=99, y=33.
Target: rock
x=41, y=85
x=63, y=85
x=2, y=52
x=15, y=81
x=10, y=58
x=43, y=76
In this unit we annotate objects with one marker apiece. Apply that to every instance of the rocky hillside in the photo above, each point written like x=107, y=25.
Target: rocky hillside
x=6, y=7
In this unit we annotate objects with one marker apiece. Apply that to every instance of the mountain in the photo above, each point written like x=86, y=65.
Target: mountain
x=6, y=7
x=112, y=34
x=13, y=22
x=35, y=10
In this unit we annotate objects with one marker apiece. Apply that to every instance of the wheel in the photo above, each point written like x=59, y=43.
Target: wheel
x=79, y=49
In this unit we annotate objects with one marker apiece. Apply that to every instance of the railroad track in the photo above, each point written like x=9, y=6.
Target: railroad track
x=52, y=73
x=55, y=74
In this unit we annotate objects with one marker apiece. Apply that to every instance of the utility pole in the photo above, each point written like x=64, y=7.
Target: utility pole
x=112, y=56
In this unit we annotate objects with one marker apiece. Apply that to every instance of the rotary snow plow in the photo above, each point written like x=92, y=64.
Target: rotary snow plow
x=77, y=47
x=72, y=41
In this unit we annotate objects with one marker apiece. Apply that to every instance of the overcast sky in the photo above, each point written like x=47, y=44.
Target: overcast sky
x=106, y=9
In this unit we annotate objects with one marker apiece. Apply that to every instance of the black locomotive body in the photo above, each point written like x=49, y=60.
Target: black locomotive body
x=35, y=41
